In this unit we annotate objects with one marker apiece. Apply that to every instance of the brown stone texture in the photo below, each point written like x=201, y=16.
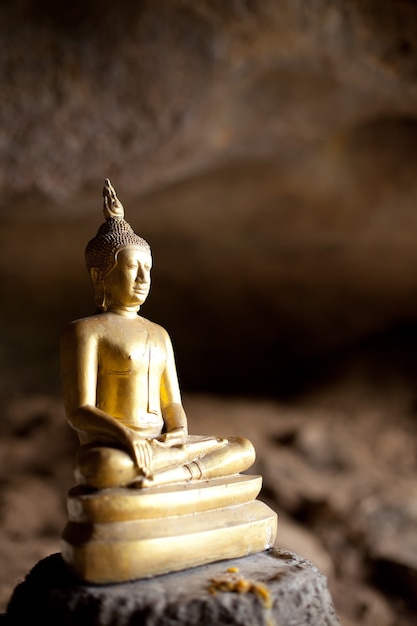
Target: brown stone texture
x=338, y=466
x=267, y=150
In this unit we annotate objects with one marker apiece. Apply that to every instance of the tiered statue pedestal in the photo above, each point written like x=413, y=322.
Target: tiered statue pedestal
x=117, y=535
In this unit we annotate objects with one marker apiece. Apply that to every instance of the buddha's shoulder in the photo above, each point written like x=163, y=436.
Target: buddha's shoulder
x=102, y=323
x=85, y=326
x=153, y=328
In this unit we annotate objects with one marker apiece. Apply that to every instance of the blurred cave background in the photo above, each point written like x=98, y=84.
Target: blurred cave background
x=267, y=150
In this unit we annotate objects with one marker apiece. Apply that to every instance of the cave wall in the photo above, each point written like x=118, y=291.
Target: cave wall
x=266, y=149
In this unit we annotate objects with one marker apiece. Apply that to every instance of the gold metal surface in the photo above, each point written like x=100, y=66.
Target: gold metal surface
x=120, y=552
x=139, y=470
x=121, y=504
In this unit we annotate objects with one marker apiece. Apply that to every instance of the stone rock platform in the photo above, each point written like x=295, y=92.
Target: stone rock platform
x=271, y=587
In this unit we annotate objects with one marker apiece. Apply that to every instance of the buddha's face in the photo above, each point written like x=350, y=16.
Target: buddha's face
x=128, y=283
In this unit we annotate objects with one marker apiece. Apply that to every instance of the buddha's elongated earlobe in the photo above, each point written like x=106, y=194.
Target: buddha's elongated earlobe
x=101, y=299
x=99, y=288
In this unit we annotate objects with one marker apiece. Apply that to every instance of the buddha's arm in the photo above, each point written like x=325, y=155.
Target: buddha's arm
x=171, y=404
x=79, y=349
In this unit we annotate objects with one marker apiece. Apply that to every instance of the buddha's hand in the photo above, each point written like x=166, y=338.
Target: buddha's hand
x=174, y=437
x=142, y=453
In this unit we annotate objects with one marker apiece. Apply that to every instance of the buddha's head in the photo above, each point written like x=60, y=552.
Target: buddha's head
x=117, y=259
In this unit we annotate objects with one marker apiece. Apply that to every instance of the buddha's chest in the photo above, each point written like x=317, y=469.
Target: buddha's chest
x=130, y=353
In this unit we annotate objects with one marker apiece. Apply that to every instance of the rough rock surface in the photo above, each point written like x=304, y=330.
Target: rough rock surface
x=339, y=468
x=266, y=149
x=286, y=590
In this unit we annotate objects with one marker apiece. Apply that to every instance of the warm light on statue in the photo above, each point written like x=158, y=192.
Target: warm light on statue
x=122, y=397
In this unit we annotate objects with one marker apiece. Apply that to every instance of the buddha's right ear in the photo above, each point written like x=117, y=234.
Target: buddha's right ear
x=95, y=275
x=99, y=290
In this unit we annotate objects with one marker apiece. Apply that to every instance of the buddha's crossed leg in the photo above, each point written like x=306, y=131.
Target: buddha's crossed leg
x=199, y=458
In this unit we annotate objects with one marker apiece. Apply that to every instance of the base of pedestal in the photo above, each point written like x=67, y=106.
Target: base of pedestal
x=121, y=535
x=294, y=592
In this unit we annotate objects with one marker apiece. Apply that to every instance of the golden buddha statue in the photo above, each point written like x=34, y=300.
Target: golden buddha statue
x=122, y=397
x=120, y=383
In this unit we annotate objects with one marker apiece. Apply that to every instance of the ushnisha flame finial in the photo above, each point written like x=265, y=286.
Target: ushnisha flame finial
x=112, y=207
